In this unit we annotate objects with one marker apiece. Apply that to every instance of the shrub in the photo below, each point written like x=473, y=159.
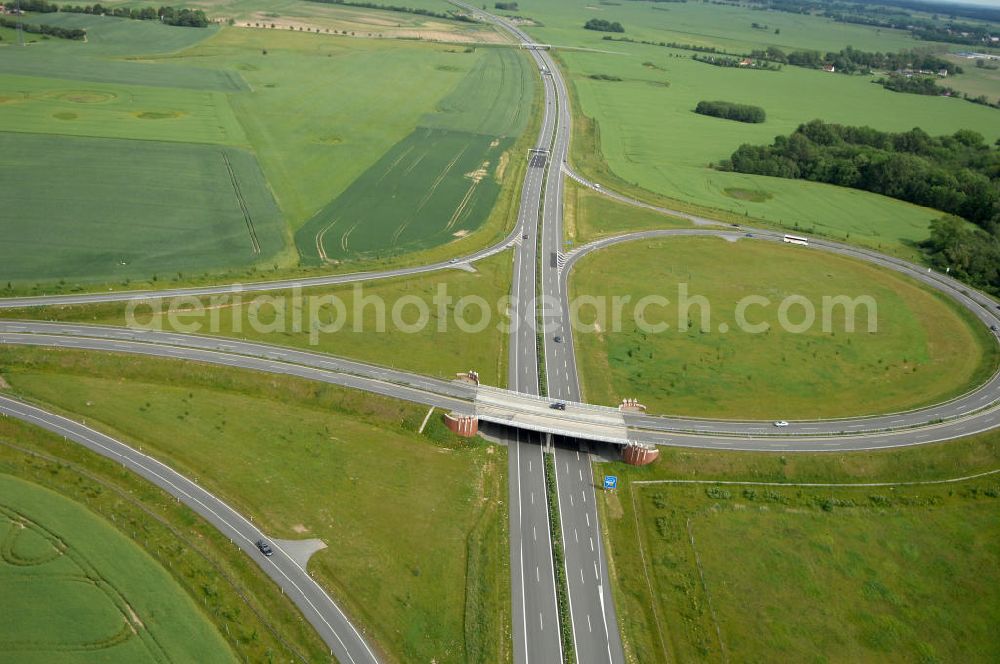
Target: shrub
x=730, y=111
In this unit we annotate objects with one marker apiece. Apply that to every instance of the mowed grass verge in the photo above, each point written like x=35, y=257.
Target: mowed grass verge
x=750, y=573
x=925, y=349
x=451, y=338
x=73, y=584
x=588, y=216
x=415, y=524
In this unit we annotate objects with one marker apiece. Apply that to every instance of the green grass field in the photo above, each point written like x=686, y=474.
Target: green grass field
x=75, y=589
x=925, y=348
x=415, y=523
x=906, y=573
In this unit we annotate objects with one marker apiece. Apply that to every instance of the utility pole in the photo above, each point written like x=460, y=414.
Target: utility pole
x=20, y=31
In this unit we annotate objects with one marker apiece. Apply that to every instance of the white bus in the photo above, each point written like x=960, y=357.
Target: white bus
x=795, y=239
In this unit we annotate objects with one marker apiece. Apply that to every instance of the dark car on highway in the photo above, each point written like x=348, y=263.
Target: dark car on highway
x=558, y=406
x=265, y=548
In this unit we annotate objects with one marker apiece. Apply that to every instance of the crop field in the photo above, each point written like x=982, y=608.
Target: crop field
x=719, y=572
x=75, y=589
x=650, y=137
x=448, y=174
x=415, y=523
x=245, y=89
x=108, y=110
x=176, y=207
x=437, y=184
x=300, y=14
x=702, y=24
x=923, y=350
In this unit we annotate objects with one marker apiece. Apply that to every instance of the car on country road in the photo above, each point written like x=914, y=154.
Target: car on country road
x=557, y=339
x=781, y=423
x=265, y=548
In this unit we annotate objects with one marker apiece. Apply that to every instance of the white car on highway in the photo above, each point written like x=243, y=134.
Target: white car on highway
x=781, y=423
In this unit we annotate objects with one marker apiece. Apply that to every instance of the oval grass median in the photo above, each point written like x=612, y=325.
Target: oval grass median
x=759, y=356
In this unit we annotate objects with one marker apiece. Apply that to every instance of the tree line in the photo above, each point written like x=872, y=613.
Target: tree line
x=179, y=16
x=193, y=18
x=42, y=29
x=957, y=173
x=851, y=60
x=966, y=252
x=731, y=111
x=727, y=61
x=603, y=26
x=450, y=16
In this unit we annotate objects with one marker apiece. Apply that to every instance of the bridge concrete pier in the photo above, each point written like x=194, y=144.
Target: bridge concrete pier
x=462, y=424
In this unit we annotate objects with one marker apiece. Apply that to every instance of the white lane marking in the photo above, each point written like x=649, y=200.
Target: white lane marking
x=541, y=625
x=591, y=543
x=584, y=494
x=587, y=514
x=581, y=477
x=589, y=628
x=596, y=576
x=534, y=533
x=571, y=500
x=581, y=576
x=532, y=497
x=575, y=536
x=538, y=577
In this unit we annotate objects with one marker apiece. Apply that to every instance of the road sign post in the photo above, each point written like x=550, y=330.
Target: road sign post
x=610, y=482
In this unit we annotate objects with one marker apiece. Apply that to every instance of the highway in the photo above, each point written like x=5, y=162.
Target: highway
x=537, y=241
x=344, y=640
x=534, y=613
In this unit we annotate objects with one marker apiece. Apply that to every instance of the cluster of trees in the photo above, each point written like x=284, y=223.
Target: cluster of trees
x=917, y=85
x=959, y=173
x=966, y=252
x=603, y=26
x=188, y=18
x=850, y=60
x=605, y=77
x=506, y=6
x=727, y=61
x=39, y=6
x=50, y=30
x=399, y=8
x=677, y=45
x=730, y=111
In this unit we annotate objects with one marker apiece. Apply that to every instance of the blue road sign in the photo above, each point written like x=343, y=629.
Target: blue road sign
x=610, y=482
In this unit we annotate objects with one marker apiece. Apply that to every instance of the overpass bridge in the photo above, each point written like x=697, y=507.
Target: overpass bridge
x=536, y=413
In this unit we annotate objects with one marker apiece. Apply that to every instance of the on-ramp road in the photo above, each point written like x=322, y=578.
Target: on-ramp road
x=344, y=640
